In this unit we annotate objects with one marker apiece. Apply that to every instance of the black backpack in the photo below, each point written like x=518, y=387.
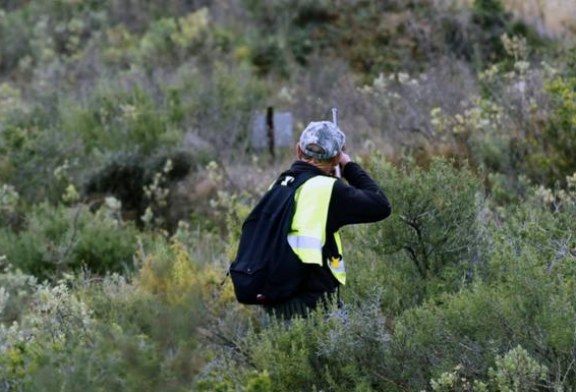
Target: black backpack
x=266, y=269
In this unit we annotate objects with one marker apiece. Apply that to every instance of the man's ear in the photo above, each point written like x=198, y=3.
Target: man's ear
x=336, y=160
x=298, y=151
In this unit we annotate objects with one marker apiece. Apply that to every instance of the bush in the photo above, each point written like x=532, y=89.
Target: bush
x=526, y=298
x=433, y=224
x=137, y=335
x=57, y=330
x=144, y=181
x=339, y=350
x=38, y=162
x=15, y=37
x=56, y=240
x=170, y=40
x=559, y=133
x=516, y=370
x=17, y=289
x=116, y=120
x=220, y=102
x=53, y=322
x=517, y=129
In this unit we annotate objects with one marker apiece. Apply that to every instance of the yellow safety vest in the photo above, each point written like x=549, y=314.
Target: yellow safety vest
x=307, y=235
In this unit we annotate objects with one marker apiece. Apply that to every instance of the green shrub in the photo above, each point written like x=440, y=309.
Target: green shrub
x=39, y=163
x=113, y=361
x=169, y=40
x=17, y=288
x=104, y=246
x=434, y=224
x=492, y=21
x=137, y=19
x=145, y=184
x=221, y=102
x=125, y=335
x=59, y=239
x=30, y=151
x=559, y=133
x=454, y=381
x=375, y=36
x=517, y=370
x=52, y=323
x=42, y=33
x=518, y=131
x=469, y=331
x=9, y=203
x=357, y=31
x=56, y=332
x=15, y=35
x=338, y=350
x=539, y=138
x=116, y=120
x=525, y=298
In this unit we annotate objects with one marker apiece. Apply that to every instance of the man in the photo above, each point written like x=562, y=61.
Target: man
x=323, y=204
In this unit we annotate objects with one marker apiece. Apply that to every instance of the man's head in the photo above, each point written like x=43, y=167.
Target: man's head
x=321, y=140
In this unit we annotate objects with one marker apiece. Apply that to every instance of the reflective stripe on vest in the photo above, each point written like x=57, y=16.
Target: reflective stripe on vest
x=308, y=231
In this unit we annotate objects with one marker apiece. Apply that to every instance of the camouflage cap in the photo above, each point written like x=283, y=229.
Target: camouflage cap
x=322, y=140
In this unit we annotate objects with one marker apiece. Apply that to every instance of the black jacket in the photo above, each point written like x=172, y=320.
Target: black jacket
x=360, y=200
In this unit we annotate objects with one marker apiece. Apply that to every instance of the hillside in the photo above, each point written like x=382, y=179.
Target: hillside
x=127, y=166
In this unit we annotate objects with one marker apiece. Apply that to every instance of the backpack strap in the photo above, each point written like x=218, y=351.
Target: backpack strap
x=294, y=181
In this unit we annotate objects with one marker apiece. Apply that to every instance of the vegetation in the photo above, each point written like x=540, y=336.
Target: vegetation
x=126, y=170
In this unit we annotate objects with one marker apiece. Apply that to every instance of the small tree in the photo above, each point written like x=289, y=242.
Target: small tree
x=433, y=221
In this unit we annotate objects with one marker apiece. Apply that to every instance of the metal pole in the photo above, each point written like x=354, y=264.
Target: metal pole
x=270, y=132
x=335, y=116
x=335, y=121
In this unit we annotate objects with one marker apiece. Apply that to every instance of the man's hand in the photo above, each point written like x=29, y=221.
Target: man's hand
x=343, y=160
